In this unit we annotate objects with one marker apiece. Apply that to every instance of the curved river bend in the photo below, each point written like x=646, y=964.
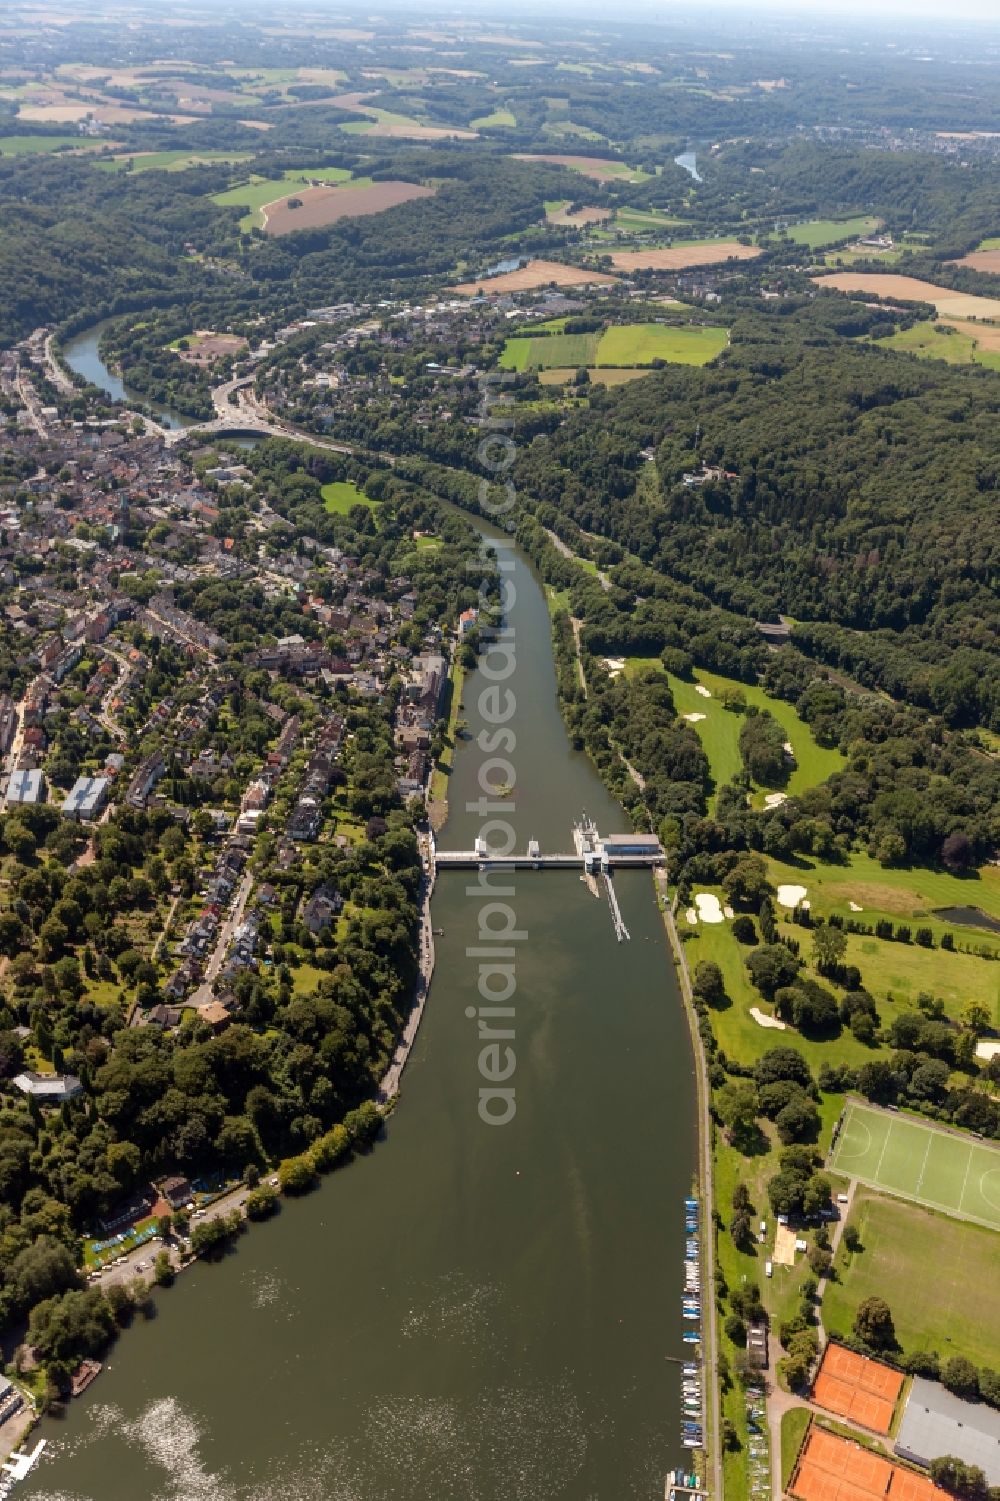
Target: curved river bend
x=473, y=1313
x=82, y=355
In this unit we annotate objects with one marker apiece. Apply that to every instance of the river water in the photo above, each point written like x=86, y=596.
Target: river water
x=81, y=354
x=689, y=161
x=473, y=1312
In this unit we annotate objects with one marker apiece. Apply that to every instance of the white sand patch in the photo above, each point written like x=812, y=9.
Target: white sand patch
x=708, y=906
x=763, y=1020
x=787, y=748
x=791, y=896
x=705, y=692
x=729, y=912
x=693, y=718
x=775, y=799
x=691, y=916
x=987, y=1050
x=615, y=665
x=854, y=907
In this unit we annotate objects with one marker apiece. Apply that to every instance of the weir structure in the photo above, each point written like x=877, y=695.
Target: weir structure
x=592, y=855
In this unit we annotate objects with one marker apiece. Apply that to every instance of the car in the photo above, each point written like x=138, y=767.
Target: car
x=273, y=1182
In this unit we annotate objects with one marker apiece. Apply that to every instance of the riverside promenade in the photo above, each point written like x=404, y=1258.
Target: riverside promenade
x=389, y=1086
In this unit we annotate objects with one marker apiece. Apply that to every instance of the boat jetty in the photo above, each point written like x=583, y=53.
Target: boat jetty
x=17, y=1466
x=692, y=1378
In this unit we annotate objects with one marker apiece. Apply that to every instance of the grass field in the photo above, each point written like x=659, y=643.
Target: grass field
x=916, y=1161
x=643, y=219
x=719, y=731
x=32, y=145
x=958, y=345
x=341, y=495
x=905, y=1248
x=253, y=195
x=627, y=347
x=816, y=232
x=794, y=1423
x=172, y=161
x=497, y=120
x=642, y=343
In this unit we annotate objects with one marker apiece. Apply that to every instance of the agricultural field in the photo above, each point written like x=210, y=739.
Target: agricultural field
x=906, y=1248
x=642, y=343
x=536, y=273
x=984, y=259
x=384, y=122
x=340, y=495
x=815, y=233
x=314, y=208
x=623, y=348
x=640, y=220
x=913, y=1160
x=910, y=289
x=609, y=376
x=557, y=212
x=601, y=168
x=679, y=257
x=31, y=145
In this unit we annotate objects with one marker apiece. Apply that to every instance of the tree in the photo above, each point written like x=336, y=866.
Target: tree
x=873, y=1324
x=829, y=947
x=163, y=1272
x=771, y=966
x=296, y=1174
x=736, y=1107
x=852, y=1237
x=708, y=984
x=262, y=1203
x=961, y=1377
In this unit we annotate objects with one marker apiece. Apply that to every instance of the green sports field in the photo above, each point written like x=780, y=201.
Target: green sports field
x=916, y=1161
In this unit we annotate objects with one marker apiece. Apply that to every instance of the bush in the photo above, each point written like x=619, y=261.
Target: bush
x=744, y=930
x=297, y=1175
x=262, y=1203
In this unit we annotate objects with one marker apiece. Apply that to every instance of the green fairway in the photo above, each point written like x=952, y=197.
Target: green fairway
x=31, y=145
x=719, y=728
x=642, y=343
x=907, y=1248
x=341, y=495
x=915, y=1161
x=893, y=891
x=816, y=232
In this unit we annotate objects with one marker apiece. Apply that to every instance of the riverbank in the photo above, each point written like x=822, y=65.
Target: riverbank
x=391, y=1079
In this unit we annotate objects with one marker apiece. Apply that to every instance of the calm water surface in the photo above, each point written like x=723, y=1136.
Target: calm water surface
x=477, y=1313
x=82, y=355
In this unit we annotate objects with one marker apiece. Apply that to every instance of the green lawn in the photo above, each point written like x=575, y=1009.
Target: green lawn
x=915, y=1160
x=32, y=145
x=794, y=1423
x=499, y=118
x=305, y=978
x=642, y=343
x=640, y=219
x=942, y=341
x=993, y=243
x=340, y=495
x=719, y=730
x=816, y=232
x=908, y=1249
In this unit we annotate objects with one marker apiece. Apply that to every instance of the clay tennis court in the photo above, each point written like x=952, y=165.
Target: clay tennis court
x=857, y=1388
x=534, y=274
x=836, y=1469
x=325, y=205
x=679, y=257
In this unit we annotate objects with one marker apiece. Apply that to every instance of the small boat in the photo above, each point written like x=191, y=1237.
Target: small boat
x=438, y=932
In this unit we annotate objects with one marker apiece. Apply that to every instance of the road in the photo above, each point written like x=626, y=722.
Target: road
x=54, y=372
x=393, y=1074
x=226, y=932
x=103, y=713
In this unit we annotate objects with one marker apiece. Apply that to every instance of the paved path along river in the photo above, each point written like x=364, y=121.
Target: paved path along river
x=472, y=1313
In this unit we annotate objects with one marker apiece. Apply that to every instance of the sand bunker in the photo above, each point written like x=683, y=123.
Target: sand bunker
x=709, y=908
x=763, y=1020
x=791, y=896
x=854, y=907
x=693, y=718
x=987, y=1050
x=700, y=688
x=775, y=799
x=691, y=916
x=729, y=912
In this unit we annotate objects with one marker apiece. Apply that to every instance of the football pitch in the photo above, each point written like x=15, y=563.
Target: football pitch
x=916, y=1161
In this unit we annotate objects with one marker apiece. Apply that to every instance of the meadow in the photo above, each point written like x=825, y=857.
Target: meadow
x=624, y=348
x=906, y=1249
x=340, y=495
x=955, y=343
x=499, y=119
x=31, y=145
x=172, y=161
x=815, y=233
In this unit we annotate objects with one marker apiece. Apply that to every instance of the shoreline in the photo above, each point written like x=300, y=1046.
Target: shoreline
x=706, y=1180
x=389, y=1085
